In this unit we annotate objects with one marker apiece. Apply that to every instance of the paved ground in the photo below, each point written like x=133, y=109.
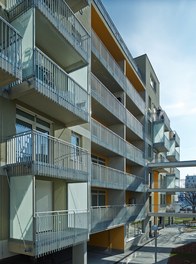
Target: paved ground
x=170, y=237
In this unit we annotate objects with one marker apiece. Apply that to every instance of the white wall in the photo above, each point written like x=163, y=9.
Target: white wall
x=77, y=196
x=21, y=207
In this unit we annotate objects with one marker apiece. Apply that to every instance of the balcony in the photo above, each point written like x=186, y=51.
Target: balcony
x=115, y=72
x=35, y=153
x=106, y=217
x=77, y=5
x=160, y=116
x=61, y=29
x=10, y=54
x=49, y=232
x=107, y=100
x=106, y=138
x=102, y=95
x=173, y=155
x=50, y=90
x=106, y=177
x=161, y=144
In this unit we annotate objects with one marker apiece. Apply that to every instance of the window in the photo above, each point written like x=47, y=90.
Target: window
x=98, y=198
x=149, y=131
x=153, y=83
x=149, y=102
x=98, y=160
x=25, y=122
x=149, y=151
x=76, y=142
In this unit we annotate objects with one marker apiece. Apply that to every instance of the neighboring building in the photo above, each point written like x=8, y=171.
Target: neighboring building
x=80, y=119
x=190, y=181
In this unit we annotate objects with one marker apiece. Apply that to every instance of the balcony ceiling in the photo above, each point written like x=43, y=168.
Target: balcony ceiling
x=77, y=5
x=6, y=78
x=56, y=46
x=102, y=151
x=100, y=113
x=104, y=76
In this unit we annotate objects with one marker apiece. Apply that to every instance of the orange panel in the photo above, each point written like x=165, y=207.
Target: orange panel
x=156, y=194
x=100, y=240
x=117, y=238
x=105, y=35
x=110, y=239
x=168, y=199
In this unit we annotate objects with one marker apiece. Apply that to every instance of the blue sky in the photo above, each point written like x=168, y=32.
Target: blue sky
x=166, y=31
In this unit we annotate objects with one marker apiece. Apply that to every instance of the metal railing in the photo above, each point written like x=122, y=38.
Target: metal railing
x=110, y=102
x=107, y=177
x=161, y=116
x=162, y=139
x=60, y=15
x=56, y=84
x=134, y=154
x=104, y=217
x=59, y=229
x=174, y=153
x=107, y=99
x=10, y=49
x=110, y=140
x=112, y=66
x=107, y=138
x=134, y=124
x=49, y=156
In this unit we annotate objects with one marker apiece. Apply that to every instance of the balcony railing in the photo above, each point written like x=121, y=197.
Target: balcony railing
x=59, y=229
x=161, y=116
x=10, y=52
x=37, y=153
x=105, y=217
x=134, y=124
x=60, y=15
x=107, y=99
x=114, y=69
x=109, y=140
x=56, y=85
x=173, y=155
x=134, y=154
x=106, y=177
x=162, y=143
x=110, y=102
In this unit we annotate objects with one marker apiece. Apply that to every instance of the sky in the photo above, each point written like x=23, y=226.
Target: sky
x=166, y=31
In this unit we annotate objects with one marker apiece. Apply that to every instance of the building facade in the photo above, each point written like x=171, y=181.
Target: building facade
x=80, y=119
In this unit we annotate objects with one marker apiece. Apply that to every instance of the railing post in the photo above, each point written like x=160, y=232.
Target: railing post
x=33, y=141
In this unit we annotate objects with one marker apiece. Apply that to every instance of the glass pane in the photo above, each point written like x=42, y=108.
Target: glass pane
x=101, y=200
x=42, y=145
x=94, y=200
x=22, y=126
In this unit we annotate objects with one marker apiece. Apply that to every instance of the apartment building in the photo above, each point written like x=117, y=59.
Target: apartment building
x=80, y=118
x=45, y=111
